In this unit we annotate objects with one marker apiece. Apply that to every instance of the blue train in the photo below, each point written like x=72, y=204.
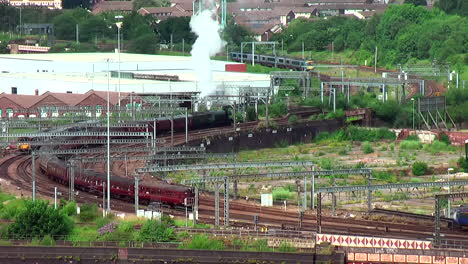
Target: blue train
x=461, y=215
x=272, y=61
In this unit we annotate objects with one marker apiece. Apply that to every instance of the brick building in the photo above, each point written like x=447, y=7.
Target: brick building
x=49, y=104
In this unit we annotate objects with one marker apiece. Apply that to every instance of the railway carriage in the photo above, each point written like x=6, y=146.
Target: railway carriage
x=272, y=61
x=121, y=188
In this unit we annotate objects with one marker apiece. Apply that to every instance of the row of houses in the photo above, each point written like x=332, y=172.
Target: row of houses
x=19, y=105
x=263, y=17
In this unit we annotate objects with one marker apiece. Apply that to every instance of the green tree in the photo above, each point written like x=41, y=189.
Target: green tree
x=416, y=2
x=71, y=4
x=145, y=44
x=38, y=219
x=459, y=7
x=178, y=27
x=235, y=34
x=93, y=27
x=137, y=4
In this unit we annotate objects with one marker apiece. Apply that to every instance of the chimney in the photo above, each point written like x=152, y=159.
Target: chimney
x=36, y=92
x=14, y=90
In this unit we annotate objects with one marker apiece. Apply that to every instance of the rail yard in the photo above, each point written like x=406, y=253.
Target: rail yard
x=282, y=179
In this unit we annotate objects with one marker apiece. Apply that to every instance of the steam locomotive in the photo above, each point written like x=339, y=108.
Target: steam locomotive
x=122, y=188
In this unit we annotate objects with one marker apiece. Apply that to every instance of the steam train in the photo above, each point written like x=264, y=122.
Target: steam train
x=272, y=61
x=120, y=188
x=91, y=181
x=194, y=121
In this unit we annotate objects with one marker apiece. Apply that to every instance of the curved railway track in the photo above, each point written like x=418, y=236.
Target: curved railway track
x=17, y=169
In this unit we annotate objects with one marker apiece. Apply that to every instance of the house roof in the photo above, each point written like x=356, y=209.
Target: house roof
x=66, y=98
x=113, y=96
x=105, y=6
x=28, y=101
x=25, y=101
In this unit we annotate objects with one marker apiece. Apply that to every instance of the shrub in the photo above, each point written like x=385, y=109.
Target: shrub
x=413, y=138
x=445, y=139
x=463, y=163
x=48, y=241
x=411, y=144
x=293, y=119
x=385, y=176
x=70, y=208
x=437, y=147
x=419, y=168
x=286, y=247
x=363, y=134
x=153, y=231
x=367, y=148
x=282, y=193
x=204, y=242
x=88, y=212
x=40, y=219
x=12, y=209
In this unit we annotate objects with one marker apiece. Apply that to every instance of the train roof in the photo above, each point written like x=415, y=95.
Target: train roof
x=462, y=209
x=121, y=180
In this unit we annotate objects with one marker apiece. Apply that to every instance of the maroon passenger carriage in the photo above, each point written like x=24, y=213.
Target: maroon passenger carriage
x=121, y=188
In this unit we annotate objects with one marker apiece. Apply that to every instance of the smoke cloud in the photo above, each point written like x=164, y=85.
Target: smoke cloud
x=208, y=43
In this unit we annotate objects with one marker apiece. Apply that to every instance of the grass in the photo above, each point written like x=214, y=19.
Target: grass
x=282, y=193
x=411, y=145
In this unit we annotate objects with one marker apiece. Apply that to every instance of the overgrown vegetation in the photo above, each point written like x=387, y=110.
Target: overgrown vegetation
x=419, y=168
x=39, y=219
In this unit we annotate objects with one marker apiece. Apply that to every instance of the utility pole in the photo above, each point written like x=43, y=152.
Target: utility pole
x=302, y=49
x=33, y=171
x=77, y=32
x=375, y=60
x=136, y=193
x=108, y=139
x=72, y=180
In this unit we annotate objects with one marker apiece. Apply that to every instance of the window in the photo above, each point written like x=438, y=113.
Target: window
x=9, y=112
x=1, y=113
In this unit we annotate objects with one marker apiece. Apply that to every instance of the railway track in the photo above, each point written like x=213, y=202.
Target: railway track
x=241, y=213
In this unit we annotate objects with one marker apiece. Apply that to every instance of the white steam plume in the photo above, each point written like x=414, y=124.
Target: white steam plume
x=208, y=43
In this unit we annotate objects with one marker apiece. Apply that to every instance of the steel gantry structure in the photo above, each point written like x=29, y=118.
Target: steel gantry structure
x=437, y=207
x=224, y=180
x=280, y=175
x=366, y=82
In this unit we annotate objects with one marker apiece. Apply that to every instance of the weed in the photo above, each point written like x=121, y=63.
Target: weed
x=367, y=148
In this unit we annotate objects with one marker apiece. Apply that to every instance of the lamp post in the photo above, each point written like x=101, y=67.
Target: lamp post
x=449, y=191
x=412, y=99
x=119, y=25
x=108, y=139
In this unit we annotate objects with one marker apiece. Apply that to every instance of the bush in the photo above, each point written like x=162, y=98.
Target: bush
x=437, y=147
x=445, y=139
x=463, y=163
x=367, y=148
x=153, y=231
x=419, y=168
x=88, y=212
x=282, y=193
x=413, y=138
x=12, y=209
x=293, y=119
x=385, y=176
x=363, y=134
x=70, y=208
x=48, y=241
x=411, y=144
x=204, y=242
x=286, y=247
x=39, y=219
